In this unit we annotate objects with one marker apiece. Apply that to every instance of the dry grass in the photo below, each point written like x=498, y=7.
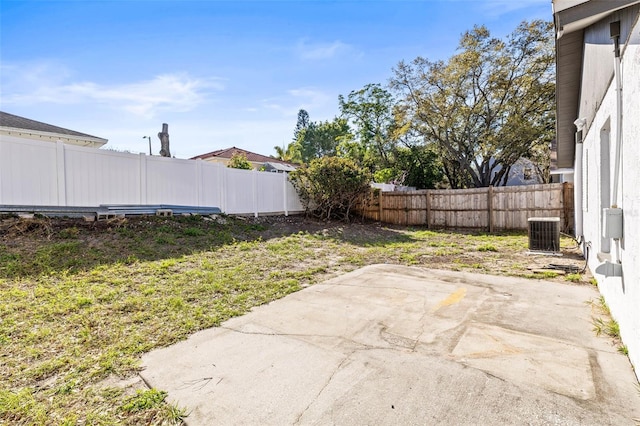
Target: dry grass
x=80, y=302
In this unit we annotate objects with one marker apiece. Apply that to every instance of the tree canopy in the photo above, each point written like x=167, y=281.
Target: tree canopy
x=301, y=124
x=487, y=106
x=468, y=119
x=321, y=139
x=371, y=111
x=239, y=161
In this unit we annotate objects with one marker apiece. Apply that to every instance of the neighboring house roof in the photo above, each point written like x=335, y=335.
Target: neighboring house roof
x=571, y=17
x=20, y=126
x=251, y=156
x=281, y=167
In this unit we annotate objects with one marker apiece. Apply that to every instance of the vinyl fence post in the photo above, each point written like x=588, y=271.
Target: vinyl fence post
x=61, y=172
x=142, y=179
x=199, y=185
x=285, y=178
x=1, y=157
x=255, y=192
x=222, y=186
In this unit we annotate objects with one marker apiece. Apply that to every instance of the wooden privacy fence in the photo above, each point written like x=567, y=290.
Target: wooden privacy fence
x=492, y=208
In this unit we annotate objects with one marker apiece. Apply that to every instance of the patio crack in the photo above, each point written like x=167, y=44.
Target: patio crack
x=425, y=311
x=326, y=384
x=395, y=342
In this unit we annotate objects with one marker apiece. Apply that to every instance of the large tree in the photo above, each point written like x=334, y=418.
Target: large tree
x=301, y=124
x=290, y=153
x=419, y=165
x=487, y=106
x=370, y=109
x=321, y=139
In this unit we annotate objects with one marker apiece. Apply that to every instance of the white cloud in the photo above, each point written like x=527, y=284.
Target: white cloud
x=310, y=98
x=167, y=92
x=318, y=51
x=316, y=101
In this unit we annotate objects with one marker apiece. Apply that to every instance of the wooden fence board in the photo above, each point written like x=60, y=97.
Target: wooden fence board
x=494, y=208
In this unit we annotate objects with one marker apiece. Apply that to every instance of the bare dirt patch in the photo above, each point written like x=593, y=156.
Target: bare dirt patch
x=148, y=238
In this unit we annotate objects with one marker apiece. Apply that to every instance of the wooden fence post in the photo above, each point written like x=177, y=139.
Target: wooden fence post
x=407, y=204
x=380, y=205
x=428, y=209
x=490, y=208
x=567, y=205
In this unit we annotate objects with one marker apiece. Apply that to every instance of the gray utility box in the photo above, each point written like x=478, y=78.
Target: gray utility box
x=612, y=223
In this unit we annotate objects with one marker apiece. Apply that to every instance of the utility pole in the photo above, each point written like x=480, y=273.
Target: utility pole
x=148, y=137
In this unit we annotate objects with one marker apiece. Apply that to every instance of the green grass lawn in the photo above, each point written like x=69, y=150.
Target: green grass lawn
x=81, y=302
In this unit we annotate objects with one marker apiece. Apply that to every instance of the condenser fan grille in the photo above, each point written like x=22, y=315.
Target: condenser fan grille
x=544, y=234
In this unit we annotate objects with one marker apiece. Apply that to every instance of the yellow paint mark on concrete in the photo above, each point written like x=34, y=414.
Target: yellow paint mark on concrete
x=452, y=299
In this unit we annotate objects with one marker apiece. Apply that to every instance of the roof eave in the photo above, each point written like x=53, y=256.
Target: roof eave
x=571, y=17
x=584, y=14
x=87, y=140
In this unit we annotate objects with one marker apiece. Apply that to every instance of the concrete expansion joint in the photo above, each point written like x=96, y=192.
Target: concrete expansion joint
x=377, y=287
x=276, y=334
x=359, y=346
x=362, y=347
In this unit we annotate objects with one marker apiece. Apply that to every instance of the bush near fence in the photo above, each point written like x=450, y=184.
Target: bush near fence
x=492, y=208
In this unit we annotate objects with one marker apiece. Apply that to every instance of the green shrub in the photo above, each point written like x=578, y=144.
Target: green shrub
x=330, y=187
x=239, y=161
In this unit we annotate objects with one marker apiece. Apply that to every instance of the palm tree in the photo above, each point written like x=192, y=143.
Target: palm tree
x=290, y=154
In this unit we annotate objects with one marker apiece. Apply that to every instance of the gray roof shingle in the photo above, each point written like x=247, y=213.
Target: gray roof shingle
x=251, y=156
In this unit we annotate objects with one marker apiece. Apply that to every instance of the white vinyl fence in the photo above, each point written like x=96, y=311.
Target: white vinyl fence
x=36, y=173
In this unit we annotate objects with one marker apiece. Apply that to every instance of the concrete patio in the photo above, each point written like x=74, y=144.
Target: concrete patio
x=388, y=344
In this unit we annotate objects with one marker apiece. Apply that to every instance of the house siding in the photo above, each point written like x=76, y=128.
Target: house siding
x=597, y=66
x=622, y=294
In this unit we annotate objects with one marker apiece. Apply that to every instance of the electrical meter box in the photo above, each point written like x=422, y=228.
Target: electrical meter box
x=612, y=223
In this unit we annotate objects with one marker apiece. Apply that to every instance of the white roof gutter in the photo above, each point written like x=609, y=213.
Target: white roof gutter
x=78, y=140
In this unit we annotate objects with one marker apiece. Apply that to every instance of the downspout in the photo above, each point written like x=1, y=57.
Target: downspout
x=614, y=210
x=615, y=34
x=577, y=180
x=612, y=226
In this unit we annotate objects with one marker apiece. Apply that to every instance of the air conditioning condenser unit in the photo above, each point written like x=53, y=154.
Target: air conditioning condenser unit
x=544, y=234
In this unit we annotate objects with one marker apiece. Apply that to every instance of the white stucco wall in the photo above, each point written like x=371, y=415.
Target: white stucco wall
x=621, y=294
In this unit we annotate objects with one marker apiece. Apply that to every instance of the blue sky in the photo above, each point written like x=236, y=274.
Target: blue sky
x=220, y=73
